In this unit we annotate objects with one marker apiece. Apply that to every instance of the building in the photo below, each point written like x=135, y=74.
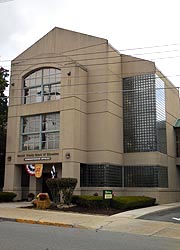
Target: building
x=108, y=119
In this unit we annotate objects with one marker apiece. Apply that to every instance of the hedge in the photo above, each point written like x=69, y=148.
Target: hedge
x=64, y=186
x=121, y=203
x=7, y=196
x=92, y=202
x=132, y=202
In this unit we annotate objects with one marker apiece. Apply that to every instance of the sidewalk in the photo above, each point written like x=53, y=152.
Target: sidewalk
x=125, y=222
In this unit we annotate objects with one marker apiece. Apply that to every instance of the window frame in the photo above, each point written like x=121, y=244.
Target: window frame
x=40, y=133
x=28, y=99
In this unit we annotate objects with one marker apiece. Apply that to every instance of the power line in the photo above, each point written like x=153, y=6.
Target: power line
x=69, y=62
x=105, y=52
x=87, y=59
x=85, y=84
x=18, y=63
x=101, y=82
x=114, y=50
x=98, y=92
x=155, y=46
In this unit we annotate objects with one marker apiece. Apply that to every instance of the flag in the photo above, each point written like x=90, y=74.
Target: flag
x=53, y=172
x=30, y=168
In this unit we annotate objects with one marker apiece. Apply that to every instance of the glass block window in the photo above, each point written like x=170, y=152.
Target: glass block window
x=160, y=116
x=145, y=176
x=42, y=85
x=100, y=175
x=40, y=132
x=144, y=114
x=107, y=175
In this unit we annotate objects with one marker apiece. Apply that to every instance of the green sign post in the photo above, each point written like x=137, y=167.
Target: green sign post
x=107, y=194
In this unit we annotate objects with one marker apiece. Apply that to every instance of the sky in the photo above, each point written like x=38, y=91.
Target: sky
x=145, y=29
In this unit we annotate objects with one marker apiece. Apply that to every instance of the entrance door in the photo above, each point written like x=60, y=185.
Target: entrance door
x=45, y=188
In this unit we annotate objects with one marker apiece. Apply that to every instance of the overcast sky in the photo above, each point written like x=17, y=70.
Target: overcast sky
x=127, y=24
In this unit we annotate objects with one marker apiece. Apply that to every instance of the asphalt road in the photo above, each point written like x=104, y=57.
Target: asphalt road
x=19, y=236
x=172, y=215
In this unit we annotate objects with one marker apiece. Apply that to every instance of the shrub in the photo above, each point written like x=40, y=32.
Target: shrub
x=30, y=196
x=7, y=196
x=92, y=202
x=121, y=203
x=132, y=202
x=52, y=185
x=65, y=186
x=74, y=199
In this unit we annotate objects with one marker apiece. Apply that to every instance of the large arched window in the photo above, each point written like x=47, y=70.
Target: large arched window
x=42, y=85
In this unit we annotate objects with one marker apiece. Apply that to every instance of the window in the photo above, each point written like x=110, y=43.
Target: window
x=107, y=175
x=42, y=85
x=40, y=132
x=144, y=115
x=100, y=175
x=146, y=176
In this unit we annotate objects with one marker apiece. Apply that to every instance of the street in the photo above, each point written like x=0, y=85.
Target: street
x=19, y=236
x=171, y=215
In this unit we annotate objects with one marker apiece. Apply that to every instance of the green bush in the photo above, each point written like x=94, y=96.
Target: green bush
x=52, y=185
x=65, y=186
x=92, y=202
x=120, y=203
x=132, y=202
x=74, y=199
x=7, y=196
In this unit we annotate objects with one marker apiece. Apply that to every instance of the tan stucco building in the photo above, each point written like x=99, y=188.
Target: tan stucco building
x=102, y=117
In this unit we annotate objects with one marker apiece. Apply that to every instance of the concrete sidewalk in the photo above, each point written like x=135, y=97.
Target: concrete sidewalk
x=126, y=222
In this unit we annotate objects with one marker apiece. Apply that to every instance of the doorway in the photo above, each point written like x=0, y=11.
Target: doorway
x=45, y=188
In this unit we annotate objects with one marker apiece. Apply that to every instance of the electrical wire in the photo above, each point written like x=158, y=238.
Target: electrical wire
x=69, y=64
x=89, y=59
x=99, y=92
x=83, y=84
x=97, y=82
x=86, y=59
x=109, y=51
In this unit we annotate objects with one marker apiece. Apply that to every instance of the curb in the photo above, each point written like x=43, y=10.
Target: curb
x=57, y=224
x=44, y=223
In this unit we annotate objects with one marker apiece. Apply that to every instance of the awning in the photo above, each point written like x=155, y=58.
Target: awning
x=177, y=124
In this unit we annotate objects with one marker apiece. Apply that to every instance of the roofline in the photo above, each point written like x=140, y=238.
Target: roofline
x=105, y=40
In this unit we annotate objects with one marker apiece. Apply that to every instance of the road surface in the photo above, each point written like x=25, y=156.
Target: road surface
x=171, y=215
x=19, y=236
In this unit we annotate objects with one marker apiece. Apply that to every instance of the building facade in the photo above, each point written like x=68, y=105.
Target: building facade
x=95, y=114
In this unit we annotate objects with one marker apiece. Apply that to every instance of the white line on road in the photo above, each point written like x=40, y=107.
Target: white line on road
x=174, y=218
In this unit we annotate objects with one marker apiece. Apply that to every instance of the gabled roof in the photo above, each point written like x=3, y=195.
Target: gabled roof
x=60, y=40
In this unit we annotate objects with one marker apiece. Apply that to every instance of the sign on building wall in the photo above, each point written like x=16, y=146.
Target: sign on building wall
x=38, y=170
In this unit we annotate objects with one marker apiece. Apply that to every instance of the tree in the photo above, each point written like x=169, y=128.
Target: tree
x=3, y=121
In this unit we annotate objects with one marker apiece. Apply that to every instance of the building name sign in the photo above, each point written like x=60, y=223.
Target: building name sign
x=37, y=157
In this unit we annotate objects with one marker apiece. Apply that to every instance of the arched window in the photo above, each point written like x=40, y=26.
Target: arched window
x=42, y=85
